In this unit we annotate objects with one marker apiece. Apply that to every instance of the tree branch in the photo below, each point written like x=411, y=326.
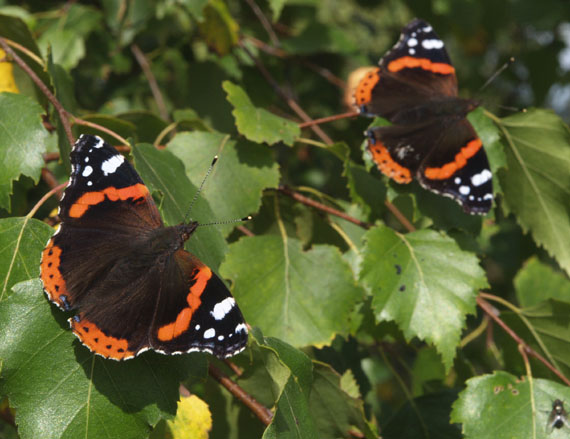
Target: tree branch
x=63, y=114
x=493, y=313
x=263, y=413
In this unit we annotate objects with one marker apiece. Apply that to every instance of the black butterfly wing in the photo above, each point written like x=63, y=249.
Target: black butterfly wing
x=204, y=318
x=414, y=71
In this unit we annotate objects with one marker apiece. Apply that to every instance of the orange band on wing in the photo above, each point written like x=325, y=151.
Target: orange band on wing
x=460, y=160
x=363, y=93
x=387, y=165
x=100, y=343
x=408, y=62
x=88, y=199
x=51, y=277
x=182, y=323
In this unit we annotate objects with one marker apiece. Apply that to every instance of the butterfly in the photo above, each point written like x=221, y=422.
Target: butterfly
x=127, y=276
x=430, y=139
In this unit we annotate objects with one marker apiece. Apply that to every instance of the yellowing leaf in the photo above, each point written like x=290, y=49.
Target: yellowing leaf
x=7, y=82
x=193, y=419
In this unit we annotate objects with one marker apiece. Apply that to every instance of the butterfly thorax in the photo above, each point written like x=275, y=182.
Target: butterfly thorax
x=445, y=107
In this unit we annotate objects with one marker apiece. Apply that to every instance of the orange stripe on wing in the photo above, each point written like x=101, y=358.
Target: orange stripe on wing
x=51, y=277
x=409, y=62
x=363, y=93
x=88, y=199
x=459, y=161
x=387, y=165
x=100, y=343
x=172, y=330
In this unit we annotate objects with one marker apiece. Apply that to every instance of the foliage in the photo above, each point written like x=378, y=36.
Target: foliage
x=364, y=296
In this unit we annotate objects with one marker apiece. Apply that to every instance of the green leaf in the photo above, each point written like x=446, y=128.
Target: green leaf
x=21, y=243
x=147, y=125
x=242, y=172
x=335, y=412
x=60, y=390
x=276, y=7
x=219, y=29
x=22, y=142
x=546, y=328
x=258, y=124
x=421, y=278
x=537, y=282
x=162, y=171
x=537, y=183
x=300, y=297
x=292, y=419
x=195, y=7
x=501, y=406
x=365, y=189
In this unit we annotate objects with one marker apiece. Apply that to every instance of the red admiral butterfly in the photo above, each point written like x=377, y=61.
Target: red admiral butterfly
x=430, y=139
x=134, y=286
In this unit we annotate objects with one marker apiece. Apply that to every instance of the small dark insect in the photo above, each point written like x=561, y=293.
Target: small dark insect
x=558, y=416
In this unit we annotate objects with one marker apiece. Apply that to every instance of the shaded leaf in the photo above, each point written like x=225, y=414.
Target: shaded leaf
x=162, y=171
x=22, y=142
x=426, y=418
x=537, y=282
x=501, y=406
x=235, y=187
x=421, y=278
x=300, y=297
x=60, y=390
x=258, y=124
x=318, y=37
x=219, y=29
x=21, y=243
x=537, y=183
x=276, y=7
x=336, y=413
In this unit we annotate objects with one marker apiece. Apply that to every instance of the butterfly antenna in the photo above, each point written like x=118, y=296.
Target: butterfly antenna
x=238, y=220
x=500, y=70
x=200, y=188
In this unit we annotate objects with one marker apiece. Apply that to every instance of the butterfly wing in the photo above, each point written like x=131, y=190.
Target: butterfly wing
x=414, y=71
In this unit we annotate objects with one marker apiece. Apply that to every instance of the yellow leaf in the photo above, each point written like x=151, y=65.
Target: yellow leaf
x=193, y=419
x=7, y=82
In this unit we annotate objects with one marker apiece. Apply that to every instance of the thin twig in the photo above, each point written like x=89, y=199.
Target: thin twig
x=143, y=62
x=280, y=53
x=264, y=22
x=309, y=202
x=101, y=128
x=27, y=51
x=400, y=216
x=262, y=412
x=329, y=119
x=63, y=114
x=491, y=312
x=291, y=102
x=43, y=199
x=245, y=231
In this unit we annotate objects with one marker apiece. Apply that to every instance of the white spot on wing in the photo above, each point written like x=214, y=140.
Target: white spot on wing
x=100, y=142
x=412, y=42
x=464, y=190
x=483, y=177
x=210, y=333
x=412, y=51
x=457, y=180
x=87, y=171
x=240, y=327
x=110, y=165
x=488, y=197
x=222, y=308
x=432, y=44
x=220, y=337
x=427, y=29
x=89, y=183
x=197, y=327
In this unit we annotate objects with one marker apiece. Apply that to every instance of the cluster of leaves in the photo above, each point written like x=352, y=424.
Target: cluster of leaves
x=364, y=324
